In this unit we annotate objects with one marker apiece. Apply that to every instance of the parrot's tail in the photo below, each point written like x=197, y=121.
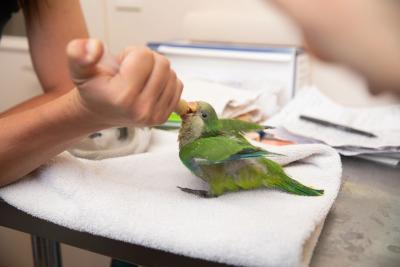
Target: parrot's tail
x=290, y=185
x=277, y=178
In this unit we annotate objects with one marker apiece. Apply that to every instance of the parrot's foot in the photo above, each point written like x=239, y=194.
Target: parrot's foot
x=199, y=193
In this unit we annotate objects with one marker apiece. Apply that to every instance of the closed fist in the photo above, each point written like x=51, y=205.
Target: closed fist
x=142, y=91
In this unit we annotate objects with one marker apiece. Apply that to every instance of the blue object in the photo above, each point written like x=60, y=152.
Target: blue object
x=226, y=47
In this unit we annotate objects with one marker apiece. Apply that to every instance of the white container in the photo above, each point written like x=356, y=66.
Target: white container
x=247, y=67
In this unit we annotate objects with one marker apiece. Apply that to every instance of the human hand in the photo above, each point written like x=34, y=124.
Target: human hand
x=142, y=92
x=362, y=34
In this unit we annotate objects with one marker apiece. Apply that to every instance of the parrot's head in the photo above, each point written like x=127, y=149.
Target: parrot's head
x=200, y=120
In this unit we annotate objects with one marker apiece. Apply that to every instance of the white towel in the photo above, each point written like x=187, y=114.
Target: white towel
x=136, y=199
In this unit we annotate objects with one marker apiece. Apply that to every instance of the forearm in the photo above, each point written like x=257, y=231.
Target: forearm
x=34, y=102
x=32, y=137
x=49, y=30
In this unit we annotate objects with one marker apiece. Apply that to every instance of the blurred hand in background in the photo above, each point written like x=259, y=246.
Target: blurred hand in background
x=362, y=34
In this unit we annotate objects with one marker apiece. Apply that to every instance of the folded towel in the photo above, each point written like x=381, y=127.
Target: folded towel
x=230, y=102
x=136, y=199
x=113, y=142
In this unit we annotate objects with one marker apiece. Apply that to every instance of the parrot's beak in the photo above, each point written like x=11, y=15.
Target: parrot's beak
x=184, y=108
x=192, y=107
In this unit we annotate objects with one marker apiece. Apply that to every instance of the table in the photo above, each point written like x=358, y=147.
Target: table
x=362, y=229
x=363, y=226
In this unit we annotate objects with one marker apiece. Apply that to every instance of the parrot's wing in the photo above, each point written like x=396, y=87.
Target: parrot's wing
x=218, y=149
x=231, y=125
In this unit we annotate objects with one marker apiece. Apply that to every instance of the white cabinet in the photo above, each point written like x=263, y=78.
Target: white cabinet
x=95, y=17
x=134, y=22
x=18, y=80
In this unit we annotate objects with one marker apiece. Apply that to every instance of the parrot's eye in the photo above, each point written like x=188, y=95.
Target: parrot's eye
x=204, y=115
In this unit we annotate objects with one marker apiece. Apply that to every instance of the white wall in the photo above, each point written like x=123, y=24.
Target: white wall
x=250, y=21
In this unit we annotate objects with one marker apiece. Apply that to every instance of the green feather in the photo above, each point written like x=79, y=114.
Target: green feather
x=231, y=125
x=252, y=174
x=215, y=149
x=278, y=179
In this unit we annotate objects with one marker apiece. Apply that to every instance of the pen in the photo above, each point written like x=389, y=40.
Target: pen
x=336, y=126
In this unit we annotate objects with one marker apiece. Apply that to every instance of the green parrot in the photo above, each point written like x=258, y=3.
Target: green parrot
x=215, y=150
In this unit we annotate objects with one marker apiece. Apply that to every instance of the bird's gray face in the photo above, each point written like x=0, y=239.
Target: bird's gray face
x=197, y=121
x=192, y=124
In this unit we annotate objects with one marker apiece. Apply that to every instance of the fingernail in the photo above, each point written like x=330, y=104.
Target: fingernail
x=72, y=49
x=91, y=49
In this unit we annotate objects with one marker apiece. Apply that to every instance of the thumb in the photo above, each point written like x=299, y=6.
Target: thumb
x=83, y=56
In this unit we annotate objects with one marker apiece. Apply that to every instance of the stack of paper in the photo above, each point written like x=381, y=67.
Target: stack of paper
x=381, y=121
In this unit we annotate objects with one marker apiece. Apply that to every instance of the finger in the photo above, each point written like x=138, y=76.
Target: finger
x=175, y=100
x=168, y=94
x=83, y=56
x=136, y=66
x=127, y=50
x=158, y=80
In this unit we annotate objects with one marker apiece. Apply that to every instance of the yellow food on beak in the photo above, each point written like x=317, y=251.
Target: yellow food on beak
x=182, y=107
x=192, y=107
x=185, y=108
